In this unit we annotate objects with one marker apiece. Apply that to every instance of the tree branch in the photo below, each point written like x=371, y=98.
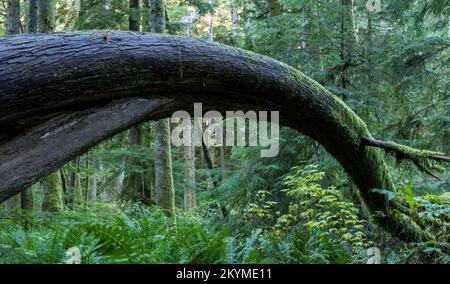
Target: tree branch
x=421, y=158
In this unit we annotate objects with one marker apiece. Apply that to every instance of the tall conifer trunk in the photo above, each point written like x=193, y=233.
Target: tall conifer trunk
x=164, y=190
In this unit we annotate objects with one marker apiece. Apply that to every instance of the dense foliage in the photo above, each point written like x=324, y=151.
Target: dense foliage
x=390, y=66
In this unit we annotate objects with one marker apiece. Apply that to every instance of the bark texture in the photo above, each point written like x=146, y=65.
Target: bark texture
x=52, y=201
x=13, y=26
x=46, y=20
x=164, y=190
x=134, y=22
x=32, y=15
x=157, y=14
x=60, y=94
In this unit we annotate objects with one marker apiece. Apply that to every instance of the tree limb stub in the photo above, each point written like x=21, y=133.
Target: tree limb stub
x=92, y=89
x=420, y=158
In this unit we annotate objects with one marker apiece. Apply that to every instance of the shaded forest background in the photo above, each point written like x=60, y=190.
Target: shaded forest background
x=135, y=199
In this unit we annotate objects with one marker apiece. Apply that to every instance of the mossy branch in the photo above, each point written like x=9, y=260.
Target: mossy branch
x=421, y=158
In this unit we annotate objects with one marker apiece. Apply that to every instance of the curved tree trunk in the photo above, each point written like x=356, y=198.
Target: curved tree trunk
x=61, y=94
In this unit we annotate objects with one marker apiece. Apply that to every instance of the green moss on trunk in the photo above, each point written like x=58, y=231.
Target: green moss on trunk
x=52, y=201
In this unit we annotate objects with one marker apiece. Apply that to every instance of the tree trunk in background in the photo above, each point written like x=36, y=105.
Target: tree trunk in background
x=85, y=190
x=13, y=17
x=305, y=22
x=92, y=193
x=71, y=187
x=46, y=21
x=84, y=6
x=133, y=17
x=52, y=200
x=190, y=195
x=190, y=18
x=74, y=190
x=234, y=22
x=32, y=16
x=234, y=18
x=146, y=16
x=13, y=27
x=64, y=184
x=222, y=163
x=164, y=190
x=135, y=186
x=206, y=158
x=78, y=189
x=274, y=8
x=157, y=15
x=210, y=22
x=114, y=196
x=347, y=40
x=26, y=197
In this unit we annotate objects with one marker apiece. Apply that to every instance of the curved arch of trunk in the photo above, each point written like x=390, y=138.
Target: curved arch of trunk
x=63, y=93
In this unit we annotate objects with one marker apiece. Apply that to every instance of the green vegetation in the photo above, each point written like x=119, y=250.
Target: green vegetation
x=391, y=68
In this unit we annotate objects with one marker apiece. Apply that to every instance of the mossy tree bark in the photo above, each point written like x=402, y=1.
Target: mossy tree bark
x=63, y=93
x=52, y=201
x=164, y=190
